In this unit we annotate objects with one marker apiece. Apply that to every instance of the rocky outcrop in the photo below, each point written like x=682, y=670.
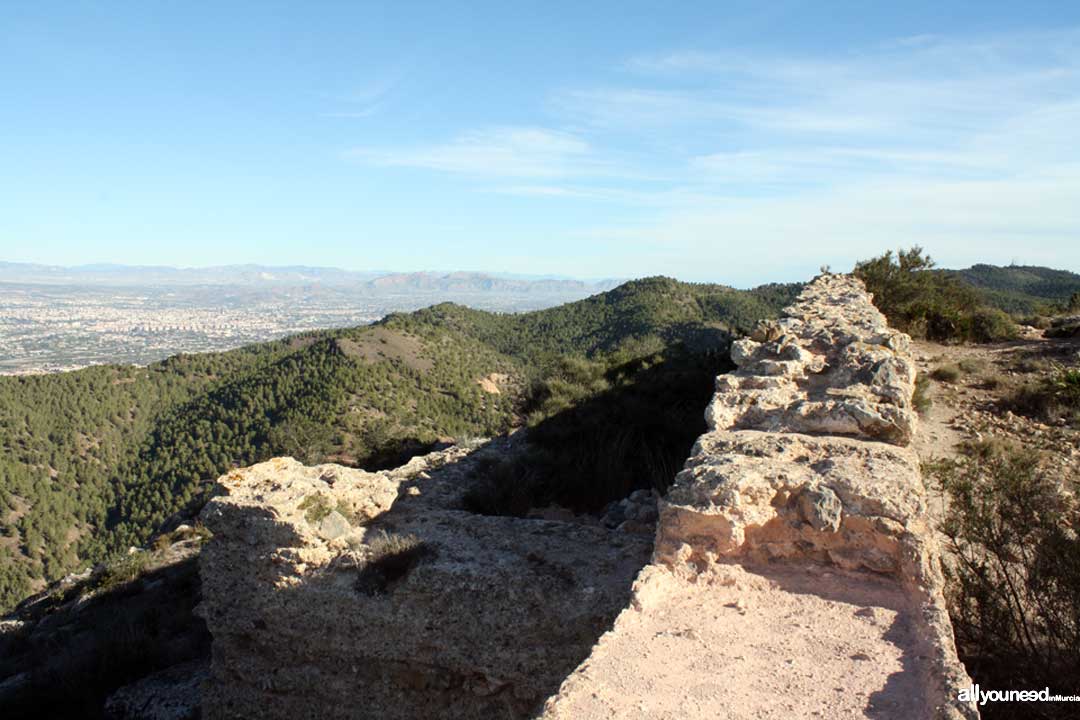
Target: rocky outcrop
x=793, y=575
x=802, y=509
x=832, y=367
x=338, y=593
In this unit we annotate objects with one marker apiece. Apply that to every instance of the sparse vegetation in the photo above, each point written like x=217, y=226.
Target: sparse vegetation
x=196, y=533
x=94, y=461
x=920, y=398
x=69, y=666
x=390, y=558
x=952, y=372
x=928, y=303
x=1054, y=397
x=602, y=431
x=1014, y=590
x=946, y=373
x=120, y=570
x=316, y=507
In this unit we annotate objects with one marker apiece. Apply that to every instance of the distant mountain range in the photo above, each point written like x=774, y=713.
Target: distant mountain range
x=295, y=275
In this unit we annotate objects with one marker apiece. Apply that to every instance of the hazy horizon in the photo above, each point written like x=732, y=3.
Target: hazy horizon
x=371, y=274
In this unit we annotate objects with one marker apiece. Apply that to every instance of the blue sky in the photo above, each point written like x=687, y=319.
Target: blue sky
x=738, y=142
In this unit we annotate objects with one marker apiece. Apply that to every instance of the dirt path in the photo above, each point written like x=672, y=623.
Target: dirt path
x=973, y=405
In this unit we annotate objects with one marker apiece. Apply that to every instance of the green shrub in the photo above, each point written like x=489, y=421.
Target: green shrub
x=316, y=507
x=991, y=325
x=971, y=366
x=1051, y=399
x=1013, y=571
x=929, y=303
x=920, y=398
x=121, y=570
x=946, y=373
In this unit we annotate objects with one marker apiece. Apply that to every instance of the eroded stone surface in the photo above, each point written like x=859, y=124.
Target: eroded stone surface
x=793, y=573
x=759, y=496
x=753, y=644
x=831, y=366
x=799, y=517
x=172, y=694
x=483, y=618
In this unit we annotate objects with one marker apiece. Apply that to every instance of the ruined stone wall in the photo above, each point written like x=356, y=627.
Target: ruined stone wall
x=804, y=480
x=336, y=593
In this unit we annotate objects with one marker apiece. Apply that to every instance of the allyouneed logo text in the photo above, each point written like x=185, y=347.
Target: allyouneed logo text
x=975, y=694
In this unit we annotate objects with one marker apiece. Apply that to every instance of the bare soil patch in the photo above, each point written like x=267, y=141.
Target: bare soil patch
x=378, y=344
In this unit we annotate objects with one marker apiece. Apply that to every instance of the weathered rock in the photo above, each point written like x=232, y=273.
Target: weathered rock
x=821, y=508
x=421, y=609
x=792, y=547
x=831, y=366
x=334, y=526
x=745, y=495
x=804, y=504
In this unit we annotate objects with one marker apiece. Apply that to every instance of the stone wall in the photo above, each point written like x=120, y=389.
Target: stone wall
x=336, y=593
x=805, y=480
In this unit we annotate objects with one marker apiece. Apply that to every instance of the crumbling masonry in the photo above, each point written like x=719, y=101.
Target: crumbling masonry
x=794, y=573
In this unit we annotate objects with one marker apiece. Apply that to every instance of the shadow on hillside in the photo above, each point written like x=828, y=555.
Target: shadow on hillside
x=635, y=435
x=75, y=654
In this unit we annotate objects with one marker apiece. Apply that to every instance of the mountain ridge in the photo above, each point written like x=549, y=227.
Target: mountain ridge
x=96, y=459
x=116, y=274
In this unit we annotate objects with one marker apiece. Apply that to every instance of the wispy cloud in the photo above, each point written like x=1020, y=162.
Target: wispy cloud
x=497, y=152
x=932, y=86
x=965, y=145
x=366, y=99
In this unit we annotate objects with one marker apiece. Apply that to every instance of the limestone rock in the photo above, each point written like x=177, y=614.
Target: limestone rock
x=418, y=609
x=793, y=543
x=334, y=526
x=821, y=508
x=801, y=504
x=831, y=365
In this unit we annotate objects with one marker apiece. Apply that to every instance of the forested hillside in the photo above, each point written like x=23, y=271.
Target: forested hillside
x=1023, y=288
x=95, y=460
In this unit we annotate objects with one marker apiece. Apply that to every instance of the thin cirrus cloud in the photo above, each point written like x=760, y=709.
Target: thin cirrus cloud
x=368, y=99
x=913, y=91
x=510, y=152
x=965, y=145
